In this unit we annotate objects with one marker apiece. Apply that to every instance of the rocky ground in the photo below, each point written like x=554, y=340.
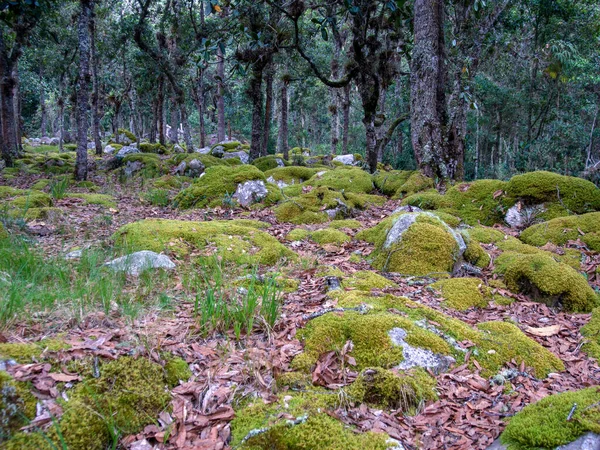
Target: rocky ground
x=373, y=345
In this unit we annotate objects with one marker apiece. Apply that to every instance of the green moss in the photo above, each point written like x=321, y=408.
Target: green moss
x=152, y=163
x=347, y=179
x=388, y=183
x=234, y=240
x=386, y=389
x=217, y=182
x=270, y=426
x=41, y=184
x=3, y=232
x=171, y=182
x=416, y=182
x=575, y=194
x=176, y=370
x=365, y=280
x=17, y=404
x=28, y=441
x=475, y=254
x=298, y=234
x=293, y=380
x=37, y=213
x=25, y=353
x=463, y=293
x=7, y=192
x=107, y=201
x=146, y=147
x=291, y=174
x=207, y=160
x=269, y=162
x=329, y=236
x=32, y=199
x=132, y=137
x=591, y=331
x=561, y=230
x=544, y=425
x=231, y=146
x=546, y=279
x=485, y=235
x=351, y=224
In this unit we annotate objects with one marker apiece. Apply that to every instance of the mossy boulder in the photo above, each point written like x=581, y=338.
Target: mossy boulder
x=475, y=254
x=158, y=148
x=544, y=424
x=559, y=231
x=239, y=241
x=346, y=179
x=463, y=293
x=266, y=163
x=324, y=236
x=149, y=164
x=547, y=280
x=216, y=185
x=284, y=176
x=416, y=182
x=388, y=183
x=414, y=244
x=206, y=160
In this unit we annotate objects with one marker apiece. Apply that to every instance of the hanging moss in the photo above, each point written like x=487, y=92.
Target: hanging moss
x=215, y=185
x=563, y=229
x=388, y=183
x=347, y=179
x=547, y=280
x=544, y=425
x=463, y=293
x=235, y=240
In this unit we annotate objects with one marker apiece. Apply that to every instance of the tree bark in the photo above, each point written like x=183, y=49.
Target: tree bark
x=268, y=109
x=283, y=127
x=346, y=122
x=256, y=97
x=10, y=148
x=220, y=96
x=82, y=94
x=160, y=110
x=174, y=138
x=201, y=107
x=95, y=88
x=43, y=110
x=427, y=77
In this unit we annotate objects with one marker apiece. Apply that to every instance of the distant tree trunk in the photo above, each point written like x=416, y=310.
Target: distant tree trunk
x=61, y=119
x=43, y=111
x=174, y=138
x=73, y=116
x=201, y=107
x=95, y=88
x=268, y=109
x=83, y=95
x=8, y=119
x=160, y=110
x=153, y=126
x=346, y=122
x=220, y=96
x=283, y=127
x=16, y=96
x=256, y=97
x=334, y=99
x=427, y=79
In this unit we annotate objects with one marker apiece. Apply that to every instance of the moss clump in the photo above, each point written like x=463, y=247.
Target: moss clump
x=485, y=235
x=152, y=164
x=231, y=146
x=369, y=333
x=416, y=182
x=544, y=425
x=547, y=280
x=215, y=185
x=475, y=253
x=269, y=162
x=291, y=174
x=571, y=257
x=298, y=234
x=207, y=160
x=25, y=353
x=41, y=184
x=563, y=229
x=171, y=182
x=386, y=389
x=591, y=331
x=388, y=183
x=463, y=293
x=351, y=224
x=17, y=405
x=158, y=148
x=7, y=192
x=426, y=247
x=260, y=426
x=176, y=370
x=31, y=199
x=329, y=236
x=575, y=194
x=107, y=201
x=366, y=280
x=345, y=178
x=294, y=380
x=235, y=240
x=132, y=137
x=37, y=213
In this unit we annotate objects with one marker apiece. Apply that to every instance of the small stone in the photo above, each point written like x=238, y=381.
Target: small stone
x=243, y=156
x=218, y=151
x=250, y=192
x=137, y=262
x=491, y=352
x=127, y=150
x=75, y=254
x=178, y=149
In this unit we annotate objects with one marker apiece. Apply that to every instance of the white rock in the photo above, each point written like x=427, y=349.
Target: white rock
x=137, y=262
x=244, y=158
x=75, y=254
x=347, y=160
x=127, y=150
x=203, y=150
x=178, y=149
x=250, y=192
x=418, y=357
x=520, y=216
x=109, y=149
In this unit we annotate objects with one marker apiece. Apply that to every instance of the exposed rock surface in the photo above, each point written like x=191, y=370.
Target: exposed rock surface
x=418, y=357
x=127, y=150
x=250, y=192
x=348, y=160
x=136, y=263
x=244, y=158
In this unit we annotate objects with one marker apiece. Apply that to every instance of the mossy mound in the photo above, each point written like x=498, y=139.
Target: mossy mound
x=547, y=280
x=324, y=236
x=576, y=195
x=475, y=254
x=544, y=425
x=269, y=162
x=217, y=183
x=299, y=422
x=559, y=231
x=128, y=134
x=41, y=184
x=291, y=174
x=365, y=280
x=485, y=235
x=591, y=331
x=151, y=164
x=31, y=199
x=388, y=183
x=463, y=293
x=231, y=146
x=351, y=224
x=176, y=370
x=158, y=148
x=346, y=179
x=108, y=201
x=413, y=244
x=416, y=182
x=25, y=353
x=235, y=240
x=322, y=204
x=207, y=160
x=171, y=182
x=387, y=389
x=54, y=163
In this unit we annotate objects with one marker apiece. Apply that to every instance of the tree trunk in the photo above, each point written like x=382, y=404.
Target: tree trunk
x=174, y=138
x=95, y=88
x=346, y=114
x=43, y=111
x=283, y=127
x=10, y=149
x=73, y=117
x=220, y=96
x=16, y=96
x=201, y=107
x=153, y=126
x=268, y=109
x=371, y=140
x=256, y=97
x=83, y=95
x=160, y=112
x=185, y=124
x=427, y=79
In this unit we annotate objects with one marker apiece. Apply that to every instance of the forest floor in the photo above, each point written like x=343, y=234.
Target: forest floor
x=470, y=411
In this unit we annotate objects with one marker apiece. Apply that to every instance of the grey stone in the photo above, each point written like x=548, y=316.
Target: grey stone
x=279, y=162
x=196, y=166
x=109, y=149
x=589, y=441
x=218, y=151
x=75, y=254
x=333, y=283
x=497, y=445
x=125, y=140
x=347, y=160
x=180, y=169
x=127, y=150
x=520, y=216
x=250, y=192
x=407, y=208
x=178, y=149
x=280, y=183
x=54, y=141
x=137, y=262
x=244, y=158
x=418, y=357
x=203, y=150
x=132, y=167
x=91, y=145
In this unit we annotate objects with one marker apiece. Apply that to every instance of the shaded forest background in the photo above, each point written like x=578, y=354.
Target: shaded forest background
x=525, y=74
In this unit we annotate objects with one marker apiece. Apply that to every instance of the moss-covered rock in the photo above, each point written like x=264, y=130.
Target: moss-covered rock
x=414, y=244
x=151, y=164
x=416, y=182
x=235, y=240
x=206, y=160
x=128, y=134
x=266, y=163
x=351, y=224
x=158, y=148
x=388, y=183
x=475, y=254
x=346, y=179
x=171, y=182
x=329, y=236
x=547, y=280
x=559, y=231
x=365, y=280
x=463, y=293
x=290, y=175
x=544, y=425
x=217, y=183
